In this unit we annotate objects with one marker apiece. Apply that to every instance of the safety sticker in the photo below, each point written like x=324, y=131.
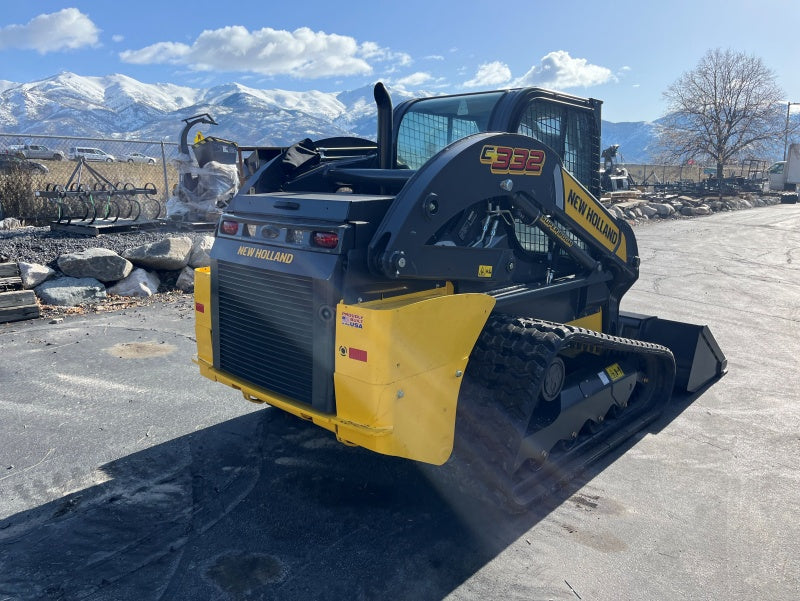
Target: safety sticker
x=353, y=320
x=614, y=372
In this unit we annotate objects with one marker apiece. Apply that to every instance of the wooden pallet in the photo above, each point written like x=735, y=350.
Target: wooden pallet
x=16, y=304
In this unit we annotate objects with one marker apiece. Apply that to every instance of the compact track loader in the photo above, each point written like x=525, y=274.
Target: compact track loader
x=456, y=285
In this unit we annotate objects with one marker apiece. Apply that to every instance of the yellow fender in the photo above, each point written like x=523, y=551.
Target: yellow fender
x=399, y=367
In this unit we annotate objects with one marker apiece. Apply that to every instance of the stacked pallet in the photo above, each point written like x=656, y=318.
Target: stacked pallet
x=15, y=303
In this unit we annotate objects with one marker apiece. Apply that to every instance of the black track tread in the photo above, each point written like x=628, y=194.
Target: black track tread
x=502, y=386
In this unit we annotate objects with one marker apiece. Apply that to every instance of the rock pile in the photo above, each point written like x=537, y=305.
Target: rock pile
x=636, y=207
x=89, y=276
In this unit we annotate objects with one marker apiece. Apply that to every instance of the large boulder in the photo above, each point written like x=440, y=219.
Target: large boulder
x=169, y=254
x=664, y=210
x=33, y=274
x=199, y=257
x=98, y=263
x=616, y=212
x=185, y=281
x=10, y=223
x=649, y=211
x=68, y=292
x=139, y=283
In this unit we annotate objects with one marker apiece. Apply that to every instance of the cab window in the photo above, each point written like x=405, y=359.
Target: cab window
x=431, y=124
x=566, y=130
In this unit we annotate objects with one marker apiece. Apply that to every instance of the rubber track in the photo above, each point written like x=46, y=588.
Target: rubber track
x=501, y=389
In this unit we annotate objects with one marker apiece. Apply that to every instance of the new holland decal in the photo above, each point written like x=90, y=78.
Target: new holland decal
x=591, y=216
x=265, y=254
x=516, y=161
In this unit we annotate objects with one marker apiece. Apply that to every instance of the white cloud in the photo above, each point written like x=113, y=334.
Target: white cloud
x=302, y=53
x=63, y=30
x=118, y=38
x=370, y=50
x=560, y=71
x=490, y=74
x=414, y=80
x=162, y=52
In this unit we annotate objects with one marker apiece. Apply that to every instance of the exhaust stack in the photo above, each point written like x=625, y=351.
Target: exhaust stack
x=385, y=126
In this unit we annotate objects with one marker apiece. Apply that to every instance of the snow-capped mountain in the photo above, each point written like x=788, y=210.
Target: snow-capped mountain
x=117, y=106
x=635, y=140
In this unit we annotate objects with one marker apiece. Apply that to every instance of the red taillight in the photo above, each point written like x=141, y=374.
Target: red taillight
x=200, y=307
x=229, y=227
x=325, y=239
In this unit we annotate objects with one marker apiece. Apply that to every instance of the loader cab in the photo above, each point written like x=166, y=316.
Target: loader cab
x=567, y=124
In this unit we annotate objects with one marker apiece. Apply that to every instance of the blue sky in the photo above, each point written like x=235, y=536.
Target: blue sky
x=625, y=53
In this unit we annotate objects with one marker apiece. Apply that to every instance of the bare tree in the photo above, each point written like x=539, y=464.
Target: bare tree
x=729, y=104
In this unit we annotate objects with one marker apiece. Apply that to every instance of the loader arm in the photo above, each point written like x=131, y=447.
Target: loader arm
x=468, y=214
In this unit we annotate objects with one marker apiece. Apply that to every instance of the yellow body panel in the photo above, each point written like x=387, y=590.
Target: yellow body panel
x=590, y=322
x=202, y=319
x=411, y=354
x=398, y=369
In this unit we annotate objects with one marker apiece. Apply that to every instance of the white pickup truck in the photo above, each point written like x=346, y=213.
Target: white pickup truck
x=36, y=151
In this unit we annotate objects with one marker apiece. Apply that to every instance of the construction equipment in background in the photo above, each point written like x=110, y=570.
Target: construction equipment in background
x=91, y=204
x=451, y=296
x=614, y=176
x=208, y=175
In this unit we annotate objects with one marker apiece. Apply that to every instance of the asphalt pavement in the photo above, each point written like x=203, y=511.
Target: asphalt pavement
x=124, y=475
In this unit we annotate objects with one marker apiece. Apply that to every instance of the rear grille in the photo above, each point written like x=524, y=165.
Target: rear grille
x=265, y=329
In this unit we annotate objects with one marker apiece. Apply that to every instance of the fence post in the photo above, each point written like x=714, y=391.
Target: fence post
x=164, y=168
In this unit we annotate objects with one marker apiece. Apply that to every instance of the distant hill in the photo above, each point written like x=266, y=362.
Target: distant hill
x=635, y=139
x=117, y=106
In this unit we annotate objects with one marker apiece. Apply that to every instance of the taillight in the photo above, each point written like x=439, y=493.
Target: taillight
x=229, y=227
x=325, y=239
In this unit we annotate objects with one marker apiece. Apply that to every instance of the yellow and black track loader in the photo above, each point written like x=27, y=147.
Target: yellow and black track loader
x=455, y=285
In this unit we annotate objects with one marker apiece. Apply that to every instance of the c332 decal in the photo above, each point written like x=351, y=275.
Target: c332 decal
x=516, y=161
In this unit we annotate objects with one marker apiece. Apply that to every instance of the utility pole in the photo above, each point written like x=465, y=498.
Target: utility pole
x=786, y=131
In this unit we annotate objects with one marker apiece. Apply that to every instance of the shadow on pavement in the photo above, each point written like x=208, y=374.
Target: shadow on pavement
x=263, y=506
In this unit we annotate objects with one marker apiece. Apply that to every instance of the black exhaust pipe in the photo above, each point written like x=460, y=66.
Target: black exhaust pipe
x=385, y=126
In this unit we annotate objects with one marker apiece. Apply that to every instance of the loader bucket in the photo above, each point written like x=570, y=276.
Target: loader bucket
x=698, y=357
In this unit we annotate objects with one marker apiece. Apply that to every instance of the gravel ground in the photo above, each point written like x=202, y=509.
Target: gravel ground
x=43, y=246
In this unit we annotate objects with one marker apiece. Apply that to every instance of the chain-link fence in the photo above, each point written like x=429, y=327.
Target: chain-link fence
x=32, y=167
